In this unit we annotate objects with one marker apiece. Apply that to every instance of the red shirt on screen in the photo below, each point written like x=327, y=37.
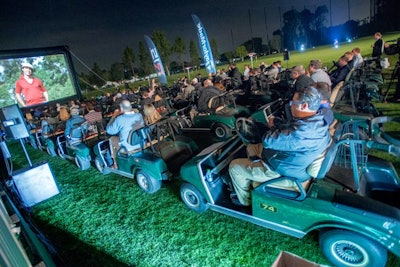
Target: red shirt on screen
x=32, y=92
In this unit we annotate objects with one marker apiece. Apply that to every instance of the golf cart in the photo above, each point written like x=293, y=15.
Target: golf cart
x=161, y=153
x=351, y=198
x=221, y=122
x=80, y=150
x=47, y=135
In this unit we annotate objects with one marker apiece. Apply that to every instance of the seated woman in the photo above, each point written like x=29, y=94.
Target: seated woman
x=64, y=114
x=151, y=115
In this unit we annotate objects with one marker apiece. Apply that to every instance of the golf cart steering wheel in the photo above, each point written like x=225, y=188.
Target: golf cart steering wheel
x=248, y=130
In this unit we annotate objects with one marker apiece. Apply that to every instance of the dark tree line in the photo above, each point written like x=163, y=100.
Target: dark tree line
x=299, y=27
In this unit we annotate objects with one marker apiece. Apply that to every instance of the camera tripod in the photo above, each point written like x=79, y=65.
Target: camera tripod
x=396, y=72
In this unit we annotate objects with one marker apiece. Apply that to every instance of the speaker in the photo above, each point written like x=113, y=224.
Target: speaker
x=286, y=55
x=35, y=184
x=13, y=122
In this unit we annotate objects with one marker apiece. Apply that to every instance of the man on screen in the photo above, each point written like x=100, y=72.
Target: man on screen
x=30, y=90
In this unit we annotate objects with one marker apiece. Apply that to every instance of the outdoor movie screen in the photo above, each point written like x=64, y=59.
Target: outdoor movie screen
x=34, y=77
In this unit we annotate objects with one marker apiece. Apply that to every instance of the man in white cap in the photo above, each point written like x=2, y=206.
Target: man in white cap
x=30, y=90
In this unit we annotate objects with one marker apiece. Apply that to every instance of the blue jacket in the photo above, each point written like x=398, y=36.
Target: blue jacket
x=292, y=147
x=70, y=124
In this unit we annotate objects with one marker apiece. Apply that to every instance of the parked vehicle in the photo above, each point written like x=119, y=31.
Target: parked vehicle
x=352, y=200
x=161, y=153
x=220, y=123
x=47, y=134
x=80, y=151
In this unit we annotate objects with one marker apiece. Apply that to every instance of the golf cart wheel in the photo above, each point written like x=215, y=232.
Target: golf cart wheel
x=51, y=151
x=221, y=131
x=193, y=198
x=100, y=166
x=345, y=248
x=147, y=183
x=82, y=163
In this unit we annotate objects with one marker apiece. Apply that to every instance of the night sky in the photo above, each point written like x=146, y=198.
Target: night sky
x=99, y=30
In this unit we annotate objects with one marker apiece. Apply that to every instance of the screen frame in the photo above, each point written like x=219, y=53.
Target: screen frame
x=47, y=51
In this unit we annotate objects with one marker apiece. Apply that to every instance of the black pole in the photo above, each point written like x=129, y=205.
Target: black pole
x=266, y=30
x=348, y=7
x=251, y=31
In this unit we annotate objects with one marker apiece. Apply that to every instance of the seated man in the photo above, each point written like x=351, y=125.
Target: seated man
x=287, y=149
x=72, y=133
x=341, y=72
x=300, y=78
x=93, y=117
x=325, y=108
x=122, y=123
x=205, y=94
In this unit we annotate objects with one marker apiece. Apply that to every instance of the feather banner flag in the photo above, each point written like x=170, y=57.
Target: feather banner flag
x=204, y=45
x=158, y=66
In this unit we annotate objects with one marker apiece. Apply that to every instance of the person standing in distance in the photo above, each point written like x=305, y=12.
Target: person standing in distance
x=30, y=90
x=377, y=49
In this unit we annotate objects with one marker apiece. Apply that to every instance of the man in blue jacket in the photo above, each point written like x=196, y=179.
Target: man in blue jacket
x=287, y=149
x=73, y=133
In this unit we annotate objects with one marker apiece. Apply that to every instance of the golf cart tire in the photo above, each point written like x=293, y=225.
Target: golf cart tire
x=346, y=248
x=221, y=131
x=193, y=198
x=83, y=164
x=100, y=166
x=51, y=151
x=147, y=183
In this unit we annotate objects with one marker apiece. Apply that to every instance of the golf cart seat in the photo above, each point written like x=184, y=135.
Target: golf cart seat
x=335, y=92
x=77, y=133
x=138, y=140
x=293, y=188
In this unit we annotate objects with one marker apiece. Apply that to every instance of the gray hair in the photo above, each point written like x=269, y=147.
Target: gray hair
x=125, y=105
x=311, y=96
x=300, y=69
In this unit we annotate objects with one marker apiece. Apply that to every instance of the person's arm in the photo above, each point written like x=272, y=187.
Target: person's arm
x=20, y=100
x=113, y=126
x=46, y=96
x=67, y=128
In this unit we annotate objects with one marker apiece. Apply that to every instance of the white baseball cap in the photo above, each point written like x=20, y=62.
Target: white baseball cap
x=26, y=65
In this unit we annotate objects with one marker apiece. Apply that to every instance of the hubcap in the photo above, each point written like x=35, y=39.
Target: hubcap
x=191, y=198
x=220, y=132
x=350, y=253
x=143, y=182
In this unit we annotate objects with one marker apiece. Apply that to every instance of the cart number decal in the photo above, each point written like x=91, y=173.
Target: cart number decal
x=268, y=207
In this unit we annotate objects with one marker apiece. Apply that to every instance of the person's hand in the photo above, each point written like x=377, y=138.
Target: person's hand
x=271, y=121
x=116, y=113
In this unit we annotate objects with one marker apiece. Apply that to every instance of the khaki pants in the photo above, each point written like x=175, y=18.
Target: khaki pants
x=114, y=148
x=246, y=174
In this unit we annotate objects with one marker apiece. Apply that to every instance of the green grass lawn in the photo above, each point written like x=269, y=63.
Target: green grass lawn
x=106, y=220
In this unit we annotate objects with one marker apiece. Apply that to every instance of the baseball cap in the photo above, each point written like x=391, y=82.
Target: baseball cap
x=26, y=65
